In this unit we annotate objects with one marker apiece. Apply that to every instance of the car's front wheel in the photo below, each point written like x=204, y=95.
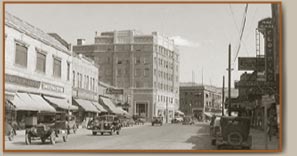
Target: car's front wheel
x=118, y=132
x=95, y=133
x=65, y=138
x=53, y=138
x=28, y=139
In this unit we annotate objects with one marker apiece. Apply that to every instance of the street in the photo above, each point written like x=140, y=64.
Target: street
x=168, y=136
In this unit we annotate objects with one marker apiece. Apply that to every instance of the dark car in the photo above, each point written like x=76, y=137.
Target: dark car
x=234, y=133
x=49, y=126
x=188, y=120
x=105, y=124
x=157, y=120
x=71, y=123
x=138, y=119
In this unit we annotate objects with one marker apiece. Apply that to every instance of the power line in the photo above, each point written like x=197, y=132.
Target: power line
x=241, y=33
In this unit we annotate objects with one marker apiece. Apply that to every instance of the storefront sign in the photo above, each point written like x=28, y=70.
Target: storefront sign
x=250, y=84
x=21, y=81
x=52, y=87
x=114, y=91
x=251, y=63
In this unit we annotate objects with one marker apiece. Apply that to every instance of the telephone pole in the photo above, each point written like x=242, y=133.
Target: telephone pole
x=223, y=96
x=229, y=81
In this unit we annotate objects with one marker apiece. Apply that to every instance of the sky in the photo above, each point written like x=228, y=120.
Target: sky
x=202, y=32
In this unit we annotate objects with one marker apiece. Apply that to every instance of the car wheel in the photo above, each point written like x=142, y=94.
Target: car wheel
x=95, y=133
x=53, y=138
x=118, y=132
x=102, y=133
x=43, y=139
x=234, y=138
x=65, y=138
x=213, y=142
x=11, y=135
x=152, y=124
x=28, y=139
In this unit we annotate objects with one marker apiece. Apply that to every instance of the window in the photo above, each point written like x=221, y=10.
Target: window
x=119, y=72
x=40, y=62
x=73, y=79
x=57, y=67
x=137, y=60
x=68, y=71
x=146, y=72
x=78, y=80
x=87, y=87
x=21, y=54
x=137, y=72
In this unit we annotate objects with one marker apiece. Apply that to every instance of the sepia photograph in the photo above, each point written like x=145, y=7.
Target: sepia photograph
x=142, y=76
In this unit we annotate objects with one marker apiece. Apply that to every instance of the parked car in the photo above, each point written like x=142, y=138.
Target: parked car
x=49, y=126
x=157, y=120
x=138, y=119
x=234, y=133
x=177, y=120
x=105, y=124
x=71, y=123
x=10, y=132
x=188, y=120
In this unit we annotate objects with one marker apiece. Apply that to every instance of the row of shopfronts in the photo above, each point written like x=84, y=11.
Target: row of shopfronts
x=43, y=76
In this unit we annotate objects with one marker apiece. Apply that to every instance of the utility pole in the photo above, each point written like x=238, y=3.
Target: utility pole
x=223, y=96
x=229, y=81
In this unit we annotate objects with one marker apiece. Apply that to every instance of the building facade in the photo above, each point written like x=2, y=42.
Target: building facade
x=200, y=101
x=145, y=66
x=36, y=67
x=85, y=86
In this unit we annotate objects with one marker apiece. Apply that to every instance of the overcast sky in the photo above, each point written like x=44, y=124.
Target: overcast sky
x=201, y=31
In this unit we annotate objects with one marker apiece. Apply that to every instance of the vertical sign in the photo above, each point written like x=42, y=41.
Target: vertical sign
x=269, y=58
x=265, y=26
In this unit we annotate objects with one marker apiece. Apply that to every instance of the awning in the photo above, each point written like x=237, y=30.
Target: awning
x=112, y=108
x=20, y=104
x=99, y=106
x=42, y=104
x=179, y=112
x=209, y=114
x=61, y=103
x=86, y=105
x=31, y=102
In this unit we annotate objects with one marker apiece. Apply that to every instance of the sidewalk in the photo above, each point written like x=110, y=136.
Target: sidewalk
x=258, y=142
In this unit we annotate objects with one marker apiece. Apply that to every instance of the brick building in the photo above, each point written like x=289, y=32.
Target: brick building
x=146, y=66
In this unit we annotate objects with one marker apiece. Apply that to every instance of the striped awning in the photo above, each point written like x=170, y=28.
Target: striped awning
x=61, y=103
x=31, y=102
x=96, y=104
x=86, y=105
x=111, y=106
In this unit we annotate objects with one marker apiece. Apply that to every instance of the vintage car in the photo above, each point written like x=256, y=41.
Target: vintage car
x=71, y=123
x=47, y=126
x=10, y=132
x=177, y=120
x=157, y=120
x=234, y=133
x=214, y=128
x=105, y=124
x=127, y=121
x=188, y=120
x=138, y=119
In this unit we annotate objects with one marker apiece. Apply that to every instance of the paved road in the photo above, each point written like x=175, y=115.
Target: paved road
x=168, y=136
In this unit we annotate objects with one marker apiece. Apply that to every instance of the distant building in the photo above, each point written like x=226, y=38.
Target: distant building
x=201, y=101
x=37, y=71
x=85, y=87
x=145, y=66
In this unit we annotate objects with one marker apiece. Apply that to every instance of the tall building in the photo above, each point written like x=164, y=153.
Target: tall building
x=37, y=72
x=146, y=66
x=200, y=101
